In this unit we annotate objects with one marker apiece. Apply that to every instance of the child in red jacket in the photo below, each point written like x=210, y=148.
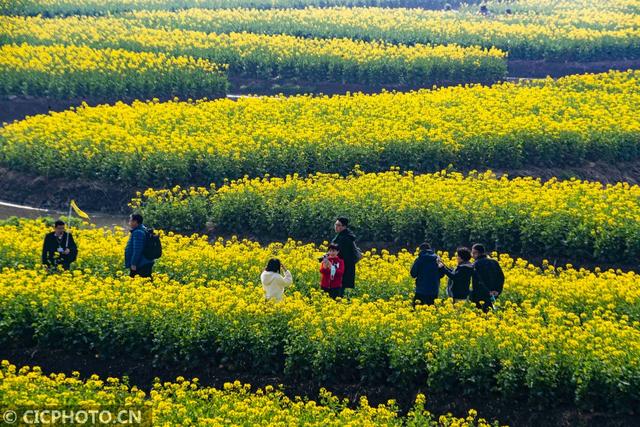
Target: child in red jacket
x=331, y=271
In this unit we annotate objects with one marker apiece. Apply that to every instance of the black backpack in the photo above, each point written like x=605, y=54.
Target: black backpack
x=152, y=245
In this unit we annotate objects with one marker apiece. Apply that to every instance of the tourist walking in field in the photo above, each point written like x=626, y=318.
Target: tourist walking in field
x=460, y=278
x=427, y=274
x=332, y=269
x=349, y=252
x=273, y=282
x=59, y=248
x=489, y=278
x=134, y=258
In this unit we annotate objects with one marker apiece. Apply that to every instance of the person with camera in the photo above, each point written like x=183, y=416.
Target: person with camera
x=59, y=248
x=332, y=269
x=273, y=282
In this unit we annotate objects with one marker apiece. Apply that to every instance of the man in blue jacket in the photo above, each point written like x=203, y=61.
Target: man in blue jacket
x=427, y=274
x=134, y=258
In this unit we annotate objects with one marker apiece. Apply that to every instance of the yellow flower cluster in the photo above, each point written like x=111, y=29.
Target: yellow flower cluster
x=70, y=71
x=507, y=125
x=265, y=56
x=380, y=274
x=579, y=34
x=185, y=402
x=98, y=7
x=550, y=6
x=573, y=219
x=535, y=347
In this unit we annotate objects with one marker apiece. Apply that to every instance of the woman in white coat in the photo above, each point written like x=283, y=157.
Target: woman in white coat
x=273, y=282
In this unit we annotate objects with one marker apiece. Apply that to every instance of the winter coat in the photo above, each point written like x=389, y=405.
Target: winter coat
x=133, y=253
x=346, y=242
x=331, y=277
x=50, y=254
x=274, y=284
x=427, y=274
x=460, y=280
x=489, y=277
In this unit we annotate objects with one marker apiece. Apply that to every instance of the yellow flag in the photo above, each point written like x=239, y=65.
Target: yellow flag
x=77, y=210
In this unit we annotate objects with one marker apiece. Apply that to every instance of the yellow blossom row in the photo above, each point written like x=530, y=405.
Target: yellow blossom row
x=78, y=71
x=589, y=117
x=380, y=274
x=579, y=34
x=575, y=219
x=100, y=7
x=272, y=56
x=187, y=402
x=536, y=350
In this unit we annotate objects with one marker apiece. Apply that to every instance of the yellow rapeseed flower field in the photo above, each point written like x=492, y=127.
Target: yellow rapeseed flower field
x=381, y=274
x=272, y=56
x=574, y=219
x=535, y=347
x=590, y=117
x=187, y=402
x=581, y=34
x=78, y=71
x=98, y=7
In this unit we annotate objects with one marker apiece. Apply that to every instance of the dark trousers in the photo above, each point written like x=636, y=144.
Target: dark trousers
x=334, y=293
x=421, y=299
x=144, y=271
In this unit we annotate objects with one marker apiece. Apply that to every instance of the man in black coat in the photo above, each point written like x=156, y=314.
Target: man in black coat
x=345, y=239
x=59, y=248
x=489, y=279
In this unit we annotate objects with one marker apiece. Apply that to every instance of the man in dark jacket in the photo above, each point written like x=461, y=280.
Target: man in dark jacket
x=345, y=239
x=427, y=274
x=489, y=278
x=59, y=248
x=134, y=258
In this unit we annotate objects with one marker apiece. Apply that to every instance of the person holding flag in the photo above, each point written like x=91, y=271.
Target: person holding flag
x=59, y=248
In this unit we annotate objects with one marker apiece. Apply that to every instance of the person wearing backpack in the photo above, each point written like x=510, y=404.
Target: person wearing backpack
x=489, y=279
x=348, y=251
x=134, y=254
